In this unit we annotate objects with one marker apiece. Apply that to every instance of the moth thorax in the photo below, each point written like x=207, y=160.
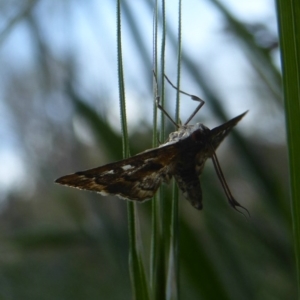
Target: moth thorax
x=200, y=135
x=186, y=131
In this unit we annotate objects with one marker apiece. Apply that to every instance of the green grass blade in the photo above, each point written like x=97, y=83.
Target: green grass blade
x=158, y=248
x=137, y=273
x=173, y=266
x=157, y=281
x=289, y=27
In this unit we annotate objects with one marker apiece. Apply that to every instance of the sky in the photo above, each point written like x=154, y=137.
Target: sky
x=87, y=32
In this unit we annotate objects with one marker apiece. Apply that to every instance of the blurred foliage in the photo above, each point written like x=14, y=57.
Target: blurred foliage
x=58, y=117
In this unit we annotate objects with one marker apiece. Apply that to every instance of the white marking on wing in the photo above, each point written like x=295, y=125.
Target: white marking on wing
x=108, y=172
x=127, y=167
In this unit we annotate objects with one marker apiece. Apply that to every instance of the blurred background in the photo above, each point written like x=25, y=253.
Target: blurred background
x=59, y=113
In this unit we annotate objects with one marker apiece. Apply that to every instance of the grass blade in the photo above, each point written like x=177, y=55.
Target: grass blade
x=158, y=251
x=137, y=273
x=289, y=26
x=173, y=266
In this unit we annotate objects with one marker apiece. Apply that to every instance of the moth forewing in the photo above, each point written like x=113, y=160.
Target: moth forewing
x=135, y=178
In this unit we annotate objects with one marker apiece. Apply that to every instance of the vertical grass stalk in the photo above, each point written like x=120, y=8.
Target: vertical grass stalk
x=155, y=280
x=137, y=273
x=288, y=12
x=158, y=265
x=173, y=266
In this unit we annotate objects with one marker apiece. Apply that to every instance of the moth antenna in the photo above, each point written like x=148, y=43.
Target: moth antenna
x=193, y=97
x=233, y=203
x=157, y=99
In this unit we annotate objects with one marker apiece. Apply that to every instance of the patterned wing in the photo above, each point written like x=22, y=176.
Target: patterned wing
x=135, y=178
x=189, y=184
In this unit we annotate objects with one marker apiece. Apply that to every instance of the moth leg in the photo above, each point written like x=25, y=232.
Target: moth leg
x=233, y=203
x=193, y=97
x=164, y=111
x=157, y=100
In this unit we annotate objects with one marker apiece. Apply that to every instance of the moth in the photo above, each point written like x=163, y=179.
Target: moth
x=182, y=156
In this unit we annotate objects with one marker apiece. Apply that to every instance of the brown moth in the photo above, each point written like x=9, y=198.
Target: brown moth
x=182, y=156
